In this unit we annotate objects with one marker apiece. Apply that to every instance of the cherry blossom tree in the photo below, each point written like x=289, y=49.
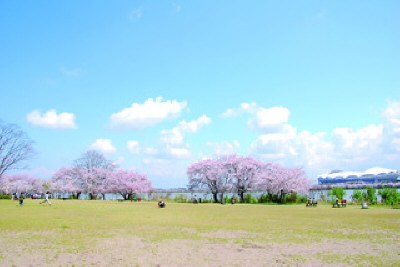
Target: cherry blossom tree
x=225, y=174
x=279, y=180
x=128, y=183
x=205, y=173
x=245, y=172
x=234, y=173
x=21, y=183
x=100, y=181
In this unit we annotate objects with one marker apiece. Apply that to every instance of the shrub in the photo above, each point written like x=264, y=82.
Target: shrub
x=180, y=199
x=5, y=196
x=265, y=198
x=301, y=199
x=250, y=199
x=390, y=196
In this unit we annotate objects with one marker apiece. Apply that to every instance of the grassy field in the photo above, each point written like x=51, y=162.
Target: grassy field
x=104, y=233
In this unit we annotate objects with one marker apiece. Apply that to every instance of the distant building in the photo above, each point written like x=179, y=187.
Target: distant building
x=377, y=177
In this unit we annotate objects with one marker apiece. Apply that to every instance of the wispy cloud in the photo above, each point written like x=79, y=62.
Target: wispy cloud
x=72, y=72
x=224, y=147
x=133, y=146
x=177, y=7
x=51, y=119
x=136, y=14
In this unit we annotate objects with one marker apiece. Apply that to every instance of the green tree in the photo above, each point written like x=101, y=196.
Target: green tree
x=357, y=195
x=390, y=196
x=370, y=195
x=337, y=193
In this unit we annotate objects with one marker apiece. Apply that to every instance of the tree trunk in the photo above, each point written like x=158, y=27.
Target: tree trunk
x=241, y=196
x=215, y=197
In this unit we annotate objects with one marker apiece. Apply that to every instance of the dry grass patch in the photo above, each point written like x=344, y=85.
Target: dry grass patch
x=104, y=233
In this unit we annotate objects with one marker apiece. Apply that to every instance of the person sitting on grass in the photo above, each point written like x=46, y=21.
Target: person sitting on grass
x=161, y=204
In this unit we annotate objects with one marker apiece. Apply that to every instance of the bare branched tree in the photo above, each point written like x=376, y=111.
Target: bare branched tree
x=15, y=147
x=93, y=159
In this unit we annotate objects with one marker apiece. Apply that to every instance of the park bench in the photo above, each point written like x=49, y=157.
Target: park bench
x=341, y=204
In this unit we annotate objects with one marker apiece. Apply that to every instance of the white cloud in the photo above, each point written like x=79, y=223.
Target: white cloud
x=179, y=152
x=264, y=119
x=359, y=139
x=244, y=108
x=195, y=125
x=151, y=112
x=343, y=148
x=175, y=136
x=51, y=119
x=133, y=146
x=104, y=145
x=392, y=129
x=151, y=151
x=173, y=145
x=267, y=118
x=225, y=147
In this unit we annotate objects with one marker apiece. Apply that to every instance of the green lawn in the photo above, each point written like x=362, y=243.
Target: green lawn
x=80, y=232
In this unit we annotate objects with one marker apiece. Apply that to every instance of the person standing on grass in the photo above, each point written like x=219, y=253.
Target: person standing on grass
x=21, y=199
x=46, y=199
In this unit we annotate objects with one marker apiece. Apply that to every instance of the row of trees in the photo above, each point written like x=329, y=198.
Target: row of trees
x=389, y=195
x=92, y=174
x=238, y=174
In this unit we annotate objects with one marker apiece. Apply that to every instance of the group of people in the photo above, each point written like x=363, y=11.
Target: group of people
x=311, y=202
x=21, y=198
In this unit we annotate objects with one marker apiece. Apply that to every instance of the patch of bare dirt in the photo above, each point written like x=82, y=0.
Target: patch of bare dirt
x=237, y=250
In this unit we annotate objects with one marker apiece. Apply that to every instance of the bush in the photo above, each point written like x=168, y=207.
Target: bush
x=301, y=199
x=265, y=198
x=390, y=196
x=250, y=199
x=180, y=199
x=5, y=196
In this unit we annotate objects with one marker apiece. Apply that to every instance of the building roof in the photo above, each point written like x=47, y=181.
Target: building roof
x=354, y=174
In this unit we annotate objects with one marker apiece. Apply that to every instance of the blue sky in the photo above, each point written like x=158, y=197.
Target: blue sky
x=157, y=85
